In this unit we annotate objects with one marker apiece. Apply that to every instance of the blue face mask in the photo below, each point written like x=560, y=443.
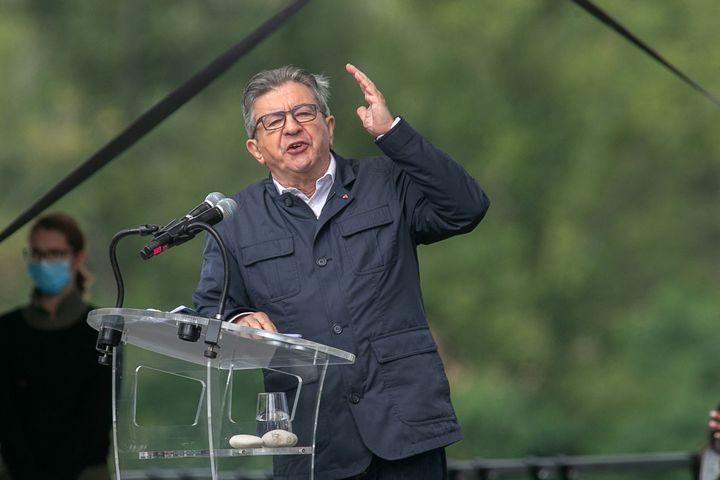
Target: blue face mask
x=50, y=276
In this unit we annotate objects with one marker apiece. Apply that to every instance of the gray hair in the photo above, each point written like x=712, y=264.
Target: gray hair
x=268, y=80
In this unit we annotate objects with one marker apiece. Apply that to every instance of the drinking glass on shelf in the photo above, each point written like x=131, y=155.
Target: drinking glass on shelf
x=272, y=413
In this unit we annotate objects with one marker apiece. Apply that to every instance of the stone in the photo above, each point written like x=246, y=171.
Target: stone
x=279, y=438
x=246, y=441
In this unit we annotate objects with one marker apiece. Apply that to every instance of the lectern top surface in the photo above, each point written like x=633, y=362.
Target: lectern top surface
x=240, y=347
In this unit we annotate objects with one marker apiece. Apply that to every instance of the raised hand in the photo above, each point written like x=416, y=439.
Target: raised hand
x=714, y=423
x=375, y=117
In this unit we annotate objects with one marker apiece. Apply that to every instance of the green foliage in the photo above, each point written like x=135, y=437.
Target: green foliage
x=578, y=318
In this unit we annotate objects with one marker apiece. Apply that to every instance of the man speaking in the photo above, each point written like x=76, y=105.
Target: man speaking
x=326, y=247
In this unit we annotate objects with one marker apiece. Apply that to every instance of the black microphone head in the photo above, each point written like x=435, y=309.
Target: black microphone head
x=224, y=209
x=210, y=201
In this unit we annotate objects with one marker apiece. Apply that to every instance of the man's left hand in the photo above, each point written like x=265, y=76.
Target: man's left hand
x=375, y=117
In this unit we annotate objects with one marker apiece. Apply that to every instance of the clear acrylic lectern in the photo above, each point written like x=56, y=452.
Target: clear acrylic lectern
x=175, y=408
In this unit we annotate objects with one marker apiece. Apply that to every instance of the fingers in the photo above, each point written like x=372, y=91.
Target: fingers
x=351, y=69
x=375, y=116
x=258, y=320
x=368, y=88
x=714, y=423
x=361, y=79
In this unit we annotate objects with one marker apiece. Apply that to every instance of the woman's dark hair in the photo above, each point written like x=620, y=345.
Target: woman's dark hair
x=75, y=237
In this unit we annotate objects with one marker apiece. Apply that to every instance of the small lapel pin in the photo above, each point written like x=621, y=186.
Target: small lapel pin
x=345, y=196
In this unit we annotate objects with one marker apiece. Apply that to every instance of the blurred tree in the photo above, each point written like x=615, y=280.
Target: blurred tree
x=578, y=318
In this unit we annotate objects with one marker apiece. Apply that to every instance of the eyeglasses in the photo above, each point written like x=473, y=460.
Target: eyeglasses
x=303, y=113
x=51, y=254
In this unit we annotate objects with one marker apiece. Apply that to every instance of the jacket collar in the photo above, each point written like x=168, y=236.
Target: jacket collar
x=70, y=311
x=344, y=173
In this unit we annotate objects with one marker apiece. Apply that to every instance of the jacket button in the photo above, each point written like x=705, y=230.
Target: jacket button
x=354, y=398
x=322, y=261
x=337, y=329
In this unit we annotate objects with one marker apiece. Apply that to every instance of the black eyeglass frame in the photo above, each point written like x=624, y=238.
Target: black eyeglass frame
x=315, y=109
x=30, y=254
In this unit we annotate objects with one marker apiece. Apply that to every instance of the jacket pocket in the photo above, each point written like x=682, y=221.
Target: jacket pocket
x=369, y=239
x=413, y=375
x=271, y=271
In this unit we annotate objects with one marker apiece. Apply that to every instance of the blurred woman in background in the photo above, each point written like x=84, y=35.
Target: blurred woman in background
x=55, y=410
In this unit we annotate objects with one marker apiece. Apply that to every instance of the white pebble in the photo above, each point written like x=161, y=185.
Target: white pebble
x=279, y=438
x=246, y=441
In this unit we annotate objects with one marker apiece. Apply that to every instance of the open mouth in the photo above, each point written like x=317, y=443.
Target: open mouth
x=297, y=147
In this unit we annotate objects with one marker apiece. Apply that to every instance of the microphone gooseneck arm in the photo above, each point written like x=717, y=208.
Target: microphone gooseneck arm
x=142, y=230
x=111, y=328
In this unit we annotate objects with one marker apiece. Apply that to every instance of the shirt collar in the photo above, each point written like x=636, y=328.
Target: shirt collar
x=326, y=179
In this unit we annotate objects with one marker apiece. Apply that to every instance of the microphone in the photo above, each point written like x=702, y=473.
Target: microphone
x=178, y=233
x=210, y=201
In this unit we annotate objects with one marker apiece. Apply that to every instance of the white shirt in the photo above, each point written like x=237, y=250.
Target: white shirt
x=323, y=185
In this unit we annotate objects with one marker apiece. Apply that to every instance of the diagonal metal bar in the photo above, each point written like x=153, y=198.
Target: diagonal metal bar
x=154, y=116
x=599, y=14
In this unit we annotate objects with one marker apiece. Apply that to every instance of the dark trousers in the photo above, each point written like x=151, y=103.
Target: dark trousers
x=430, y=465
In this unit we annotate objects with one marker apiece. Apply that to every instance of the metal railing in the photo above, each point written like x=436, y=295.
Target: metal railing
x=561, y=467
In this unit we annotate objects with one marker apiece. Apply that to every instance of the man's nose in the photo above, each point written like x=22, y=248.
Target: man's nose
x=291, y=125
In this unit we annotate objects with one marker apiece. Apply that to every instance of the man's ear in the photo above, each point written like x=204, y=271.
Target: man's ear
x=254, y=150
x=330, y=122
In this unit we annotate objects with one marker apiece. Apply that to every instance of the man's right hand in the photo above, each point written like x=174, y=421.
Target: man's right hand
x=714, y=423
x=258, y=320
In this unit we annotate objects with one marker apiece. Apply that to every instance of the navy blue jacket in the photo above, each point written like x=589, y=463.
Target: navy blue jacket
x=350, y=280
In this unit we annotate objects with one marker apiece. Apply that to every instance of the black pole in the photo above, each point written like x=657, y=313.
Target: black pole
x=602, y=16
x=151, y=118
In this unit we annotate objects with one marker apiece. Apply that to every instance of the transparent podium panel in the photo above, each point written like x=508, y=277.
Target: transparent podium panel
x=176, y=408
